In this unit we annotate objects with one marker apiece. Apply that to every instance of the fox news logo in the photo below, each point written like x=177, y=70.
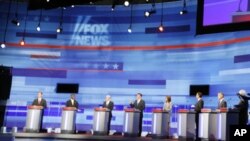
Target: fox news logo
x=239, y=132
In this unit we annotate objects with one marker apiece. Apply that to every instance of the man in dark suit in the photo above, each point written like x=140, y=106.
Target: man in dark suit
x=109, y=105
x=72, y=102
x=139, y=104
x=39, y=101
x=198, y=106
x=242, y=106
x=222, y=103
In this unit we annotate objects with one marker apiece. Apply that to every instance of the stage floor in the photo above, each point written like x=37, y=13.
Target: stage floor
x=72, y=137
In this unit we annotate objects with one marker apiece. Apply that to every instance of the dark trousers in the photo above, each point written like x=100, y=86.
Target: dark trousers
x=140, y=124
x=109, y=122
x=197, y=126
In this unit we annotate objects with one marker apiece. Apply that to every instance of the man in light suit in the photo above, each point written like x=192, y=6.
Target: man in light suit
x=198, y=106
x=222, y=103
x=109, y=105
x=72, y=102
x=40, y=101
x=139, y=104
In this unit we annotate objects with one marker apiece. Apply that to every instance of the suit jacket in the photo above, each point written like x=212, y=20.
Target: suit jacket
x=42, y=103
x=110, y=106
x=69, y=104
x=140, y=106
x=199, y=105
x=222, y=104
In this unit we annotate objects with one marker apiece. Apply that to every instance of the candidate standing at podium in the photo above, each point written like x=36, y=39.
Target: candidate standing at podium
x=198, y=106
x=109, y=105
x=221, y=101
x=139, y=104
x=167, y=104
x=40, y=101
x=72, y=102
x=242, y=106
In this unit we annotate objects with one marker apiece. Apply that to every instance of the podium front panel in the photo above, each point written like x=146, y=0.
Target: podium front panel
x=33, y=120
x=100, y=124
x=68, y=121
x=160, y=124
x=131, y=123
x=186, y=125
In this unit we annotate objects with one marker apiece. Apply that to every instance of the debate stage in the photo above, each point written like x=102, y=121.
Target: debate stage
x=72, y=137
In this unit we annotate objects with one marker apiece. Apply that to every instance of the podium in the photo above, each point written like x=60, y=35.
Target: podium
x=68, y=120
x=101, y=117
x=131, y=122
x=208, y=124
x=160, y=123
x=186, y=124
x=34, y=118
x=225, y=118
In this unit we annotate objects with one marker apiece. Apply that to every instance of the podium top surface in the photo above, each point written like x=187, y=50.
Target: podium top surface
x=102, y=109
x=131, y=110
x=35, y=107
x=159, y=111
x=69, y=108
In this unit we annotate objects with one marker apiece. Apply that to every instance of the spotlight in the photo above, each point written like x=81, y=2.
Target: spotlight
x=161, y=28
x=113, y=7
x=72, y=6
x=47, y=0
x=126, y=3
x=182, y=12
x=148, y=13
x=38, y=28
x=22, y=42
x=15, y=22
x=59, y=30
x=130, y=30
x=3, y=45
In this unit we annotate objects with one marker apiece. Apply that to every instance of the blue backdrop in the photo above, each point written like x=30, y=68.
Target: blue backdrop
x=96, y=51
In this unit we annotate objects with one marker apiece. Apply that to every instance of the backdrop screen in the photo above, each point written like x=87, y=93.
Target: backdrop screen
x=231, y=14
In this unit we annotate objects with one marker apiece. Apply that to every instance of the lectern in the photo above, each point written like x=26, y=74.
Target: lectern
x=34, y=117
x=131, y=122
x=101, y=117
x=186, y=124
x=207, y=124
x=226, y=118
x=68, y=120
x=160, y=123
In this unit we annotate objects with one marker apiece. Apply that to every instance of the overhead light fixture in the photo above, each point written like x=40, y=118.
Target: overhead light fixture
x=16, y=21
x=22, y=42
x=72, y=6
x=184, y=8
x=47, y=0
x=126, y=3
x=3, y=44
x=60, y=29
x=38, y=28
x=114, y=3
x=131, y=18
x=152, y=11
x=161, y=27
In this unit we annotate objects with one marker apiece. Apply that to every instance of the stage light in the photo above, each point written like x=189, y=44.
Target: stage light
x=59, y=30
x=3, y=45
x=15, y=22
x=149, y=13
x=113, y=5
x=38, y=28
x=47, y=0
x=22, y=42
x=72, y=6
x=130, y=30
x=161, y=28
x=182, y=12
x=126, y=3
x=184, y=8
